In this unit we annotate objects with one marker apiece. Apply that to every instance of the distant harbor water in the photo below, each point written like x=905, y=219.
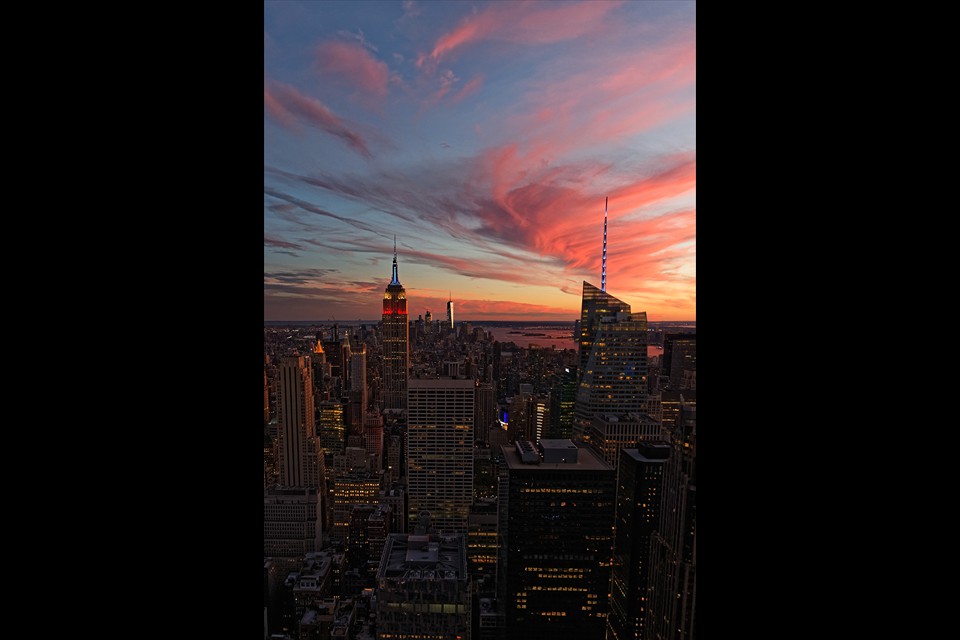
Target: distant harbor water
x=558, y=337
x=552, y=336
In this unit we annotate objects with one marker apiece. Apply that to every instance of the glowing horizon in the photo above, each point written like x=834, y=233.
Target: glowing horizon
x=486, y=137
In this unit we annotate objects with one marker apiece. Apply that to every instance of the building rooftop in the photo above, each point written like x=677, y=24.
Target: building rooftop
x=424, y=557
x=616, y=418
x=277, y=490
x=442, y=383
x=651, y=452
x=586, y=461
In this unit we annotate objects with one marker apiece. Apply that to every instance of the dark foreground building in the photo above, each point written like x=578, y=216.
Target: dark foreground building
x=423, y=592
x=639, y=489
x=672, y=591
x=556, y=522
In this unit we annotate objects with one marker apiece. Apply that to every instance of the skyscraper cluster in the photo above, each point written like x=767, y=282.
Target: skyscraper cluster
x=472, y=489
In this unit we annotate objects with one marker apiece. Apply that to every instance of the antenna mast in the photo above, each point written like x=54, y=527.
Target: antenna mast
x=603, y=268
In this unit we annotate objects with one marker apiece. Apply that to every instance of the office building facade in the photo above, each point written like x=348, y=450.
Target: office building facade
x=556, y=515
x=440, y=439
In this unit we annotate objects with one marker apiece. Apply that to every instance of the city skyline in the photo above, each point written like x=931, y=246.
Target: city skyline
x=486, y=137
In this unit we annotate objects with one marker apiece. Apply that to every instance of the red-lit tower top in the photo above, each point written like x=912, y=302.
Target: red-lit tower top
x=395, y=298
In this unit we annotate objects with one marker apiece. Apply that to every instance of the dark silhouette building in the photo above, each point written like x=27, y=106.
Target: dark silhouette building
x=679, y=360
x=562, y=398
x=639, y=489
x=556, y=521
x=672, y=591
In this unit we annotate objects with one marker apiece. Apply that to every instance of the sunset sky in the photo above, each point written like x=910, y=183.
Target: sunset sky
x=485, y=135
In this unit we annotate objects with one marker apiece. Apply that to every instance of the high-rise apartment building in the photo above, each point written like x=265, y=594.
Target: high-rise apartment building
x=392, y=467
x=450, y=312
x=440, y=451
x=671, y=401
x=358, y=387
x=357, y=487
x=639, y=491
x=292, y=525
x=556, y=526
x=333, y=432
x=485, y=408
x=301, y=462
x=373, y=438
x=482, y=539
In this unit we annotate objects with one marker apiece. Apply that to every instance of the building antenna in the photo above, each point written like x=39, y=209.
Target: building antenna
x=603, y=262
x=395, y=279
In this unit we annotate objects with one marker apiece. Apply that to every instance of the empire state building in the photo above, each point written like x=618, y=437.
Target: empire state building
x=396, y=342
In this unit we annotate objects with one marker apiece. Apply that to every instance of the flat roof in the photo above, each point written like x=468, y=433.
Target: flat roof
x=440, y=383
x=432, y=557
x=660, y=447
x=586, y=461
x=557, y=443
x=625, y=418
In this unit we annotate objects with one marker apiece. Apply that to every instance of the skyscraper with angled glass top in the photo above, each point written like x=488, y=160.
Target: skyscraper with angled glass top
x=613, y=353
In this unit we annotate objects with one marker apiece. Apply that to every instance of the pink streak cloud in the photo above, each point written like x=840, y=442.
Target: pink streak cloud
x=557, y=213
x=351, y=64
x=471, y=87
x=524, y=23
x=284, y=99
x=609, y=99
x=276, y=110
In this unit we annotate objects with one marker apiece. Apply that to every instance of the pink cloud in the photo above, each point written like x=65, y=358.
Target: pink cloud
x=351, y=64
x=528, y=23
x=610, y=97
x=284, y=101
x=557, y=213
x=471, y=87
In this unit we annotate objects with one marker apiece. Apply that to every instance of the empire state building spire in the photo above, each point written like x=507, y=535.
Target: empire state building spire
x=396, y=341
x=395, y=280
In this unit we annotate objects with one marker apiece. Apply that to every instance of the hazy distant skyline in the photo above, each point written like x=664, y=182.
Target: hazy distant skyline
x=485, y=136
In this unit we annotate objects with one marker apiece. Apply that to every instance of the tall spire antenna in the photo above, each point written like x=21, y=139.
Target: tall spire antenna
x=395, y=279
x=603, y=262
